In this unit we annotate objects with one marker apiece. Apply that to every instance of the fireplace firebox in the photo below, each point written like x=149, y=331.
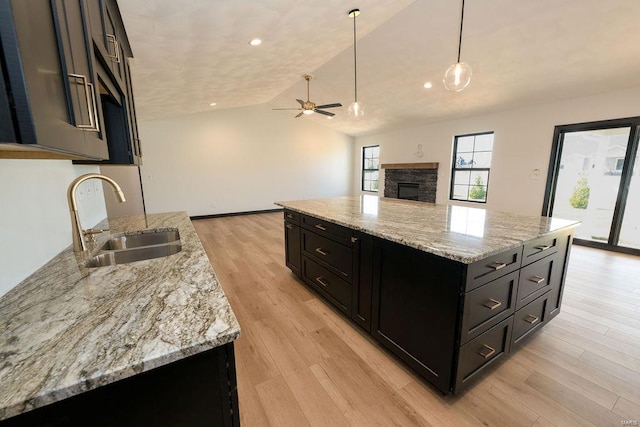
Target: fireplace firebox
x=408, y=190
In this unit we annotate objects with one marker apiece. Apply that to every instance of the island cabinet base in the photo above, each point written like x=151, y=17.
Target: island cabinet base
x=200, y=390
x=448, y=320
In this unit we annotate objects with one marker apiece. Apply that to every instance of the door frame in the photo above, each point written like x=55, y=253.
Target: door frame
x=625, y=179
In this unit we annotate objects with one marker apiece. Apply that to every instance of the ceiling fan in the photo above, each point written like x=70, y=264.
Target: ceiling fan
x=309, y=107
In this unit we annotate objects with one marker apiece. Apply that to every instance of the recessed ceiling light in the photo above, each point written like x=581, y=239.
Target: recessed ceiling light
x=428, y=85
x=255, y=42
x=213, y=104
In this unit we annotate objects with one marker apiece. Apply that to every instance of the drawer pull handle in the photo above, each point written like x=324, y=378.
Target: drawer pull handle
x=116, y=47
x=320, y=227
x=497, y=265
x=289, y=226
x=322, y=282
x=321, y=252
x=537, y=279
x=543, y=247
x=354, y=239
x=492, y=304
x=289, y=216
x=486, y=354
x=531, y=319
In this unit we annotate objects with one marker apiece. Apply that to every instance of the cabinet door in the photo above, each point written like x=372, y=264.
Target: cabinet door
x=76, y=60
x=416, y=304
x=362, y=280
x=7, y=133
x=292, y=247
x=134, y=137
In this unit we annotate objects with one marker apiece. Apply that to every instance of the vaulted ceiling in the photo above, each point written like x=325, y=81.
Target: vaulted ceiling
x=191, y=53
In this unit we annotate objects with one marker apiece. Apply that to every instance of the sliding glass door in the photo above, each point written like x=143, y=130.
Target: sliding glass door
x=593, y=178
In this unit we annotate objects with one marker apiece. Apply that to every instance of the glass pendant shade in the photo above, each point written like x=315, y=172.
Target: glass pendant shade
x=457, y=77
x=307, y=111
x=356, y=110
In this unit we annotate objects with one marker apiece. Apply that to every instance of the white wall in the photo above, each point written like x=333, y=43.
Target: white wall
x=34, y=219
x=241, y=160
x=522, y=143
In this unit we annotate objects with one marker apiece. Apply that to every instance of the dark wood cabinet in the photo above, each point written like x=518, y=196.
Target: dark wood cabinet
x=61, y=97
x=200, y=390
x=293, y=257
x=447, y=320
x=50, y=87
x=415, y=295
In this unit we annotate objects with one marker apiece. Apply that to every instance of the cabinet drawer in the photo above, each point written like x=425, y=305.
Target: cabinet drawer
x=329, y=253
x=488, y=269
x=327, y=229
x=328, y=284
x=488, y=305
x=529, y=318
x=292, y=217
x=540, y=248
x=535, y=280
x=480, y=352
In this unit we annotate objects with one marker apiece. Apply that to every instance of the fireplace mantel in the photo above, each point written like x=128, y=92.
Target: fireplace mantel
x=433, y=165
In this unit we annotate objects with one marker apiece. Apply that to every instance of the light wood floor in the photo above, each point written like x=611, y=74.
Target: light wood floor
x=301, y=363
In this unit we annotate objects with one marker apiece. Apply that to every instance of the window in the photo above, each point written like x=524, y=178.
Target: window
x=370, y=167
x=471, y=164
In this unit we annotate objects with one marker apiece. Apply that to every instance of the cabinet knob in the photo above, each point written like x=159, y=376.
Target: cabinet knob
x=322, y=282
x=322, y=252
x=492, y=304
x=497, y=265
x=486, y=351
x=531, y=319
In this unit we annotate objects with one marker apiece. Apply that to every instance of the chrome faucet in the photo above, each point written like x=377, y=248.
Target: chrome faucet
x=79, y=243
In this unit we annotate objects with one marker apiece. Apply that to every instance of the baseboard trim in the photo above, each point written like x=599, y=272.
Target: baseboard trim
x=234, y=214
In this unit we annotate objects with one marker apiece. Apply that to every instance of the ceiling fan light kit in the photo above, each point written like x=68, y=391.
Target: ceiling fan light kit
x=356, y=110
x=458, y=76
x=307, y=107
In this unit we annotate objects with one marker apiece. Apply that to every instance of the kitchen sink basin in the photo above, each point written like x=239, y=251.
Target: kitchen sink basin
x=136, y=240
x=137, y=246
x=124, y=256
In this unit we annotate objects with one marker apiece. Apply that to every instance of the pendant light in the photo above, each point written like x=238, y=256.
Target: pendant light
x=356, y=110
x=458, y=76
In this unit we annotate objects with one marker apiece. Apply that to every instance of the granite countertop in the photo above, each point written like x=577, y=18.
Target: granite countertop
x=459, y=233
x=67, y=329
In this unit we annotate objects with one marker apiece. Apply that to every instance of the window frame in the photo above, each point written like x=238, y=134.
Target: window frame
x=455, y=169
x=364, y=169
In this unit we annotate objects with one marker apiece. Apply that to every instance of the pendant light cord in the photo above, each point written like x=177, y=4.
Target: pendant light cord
x=355, y=62
x=461, y=22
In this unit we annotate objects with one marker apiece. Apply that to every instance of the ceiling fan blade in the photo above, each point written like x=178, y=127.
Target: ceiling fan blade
x=326, y=113
x=337, y=104
x=301, y=113
x=300, y=101
x=286, y=108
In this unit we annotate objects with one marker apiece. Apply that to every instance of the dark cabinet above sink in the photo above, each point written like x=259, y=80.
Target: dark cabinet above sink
x=60, y=96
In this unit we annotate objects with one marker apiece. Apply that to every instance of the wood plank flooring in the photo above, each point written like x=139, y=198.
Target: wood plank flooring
x=301, y=363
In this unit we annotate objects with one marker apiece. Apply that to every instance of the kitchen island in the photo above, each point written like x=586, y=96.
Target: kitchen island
x=143, y=343
x=448, y=289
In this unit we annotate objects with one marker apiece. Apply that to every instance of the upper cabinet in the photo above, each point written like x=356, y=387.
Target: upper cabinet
x=66, y=89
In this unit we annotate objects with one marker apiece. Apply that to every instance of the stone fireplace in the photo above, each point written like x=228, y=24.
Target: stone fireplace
x=412, y=181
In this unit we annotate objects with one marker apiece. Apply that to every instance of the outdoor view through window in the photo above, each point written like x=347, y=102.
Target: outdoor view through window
x=471, y=164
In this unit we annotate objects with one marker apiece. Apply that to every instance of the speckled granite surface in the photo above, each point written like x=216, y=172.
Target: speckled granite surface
x=67, y=329
x=456, y=232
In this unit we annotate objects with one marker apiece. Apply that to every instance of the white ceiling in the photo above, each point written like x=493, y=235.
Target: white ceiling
x=190, y=53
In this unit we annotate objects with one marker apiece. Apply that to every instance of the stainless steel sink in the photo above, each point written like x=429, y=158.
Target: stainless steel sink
x=146, y=238
x=124, y=256
x=138, y=246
